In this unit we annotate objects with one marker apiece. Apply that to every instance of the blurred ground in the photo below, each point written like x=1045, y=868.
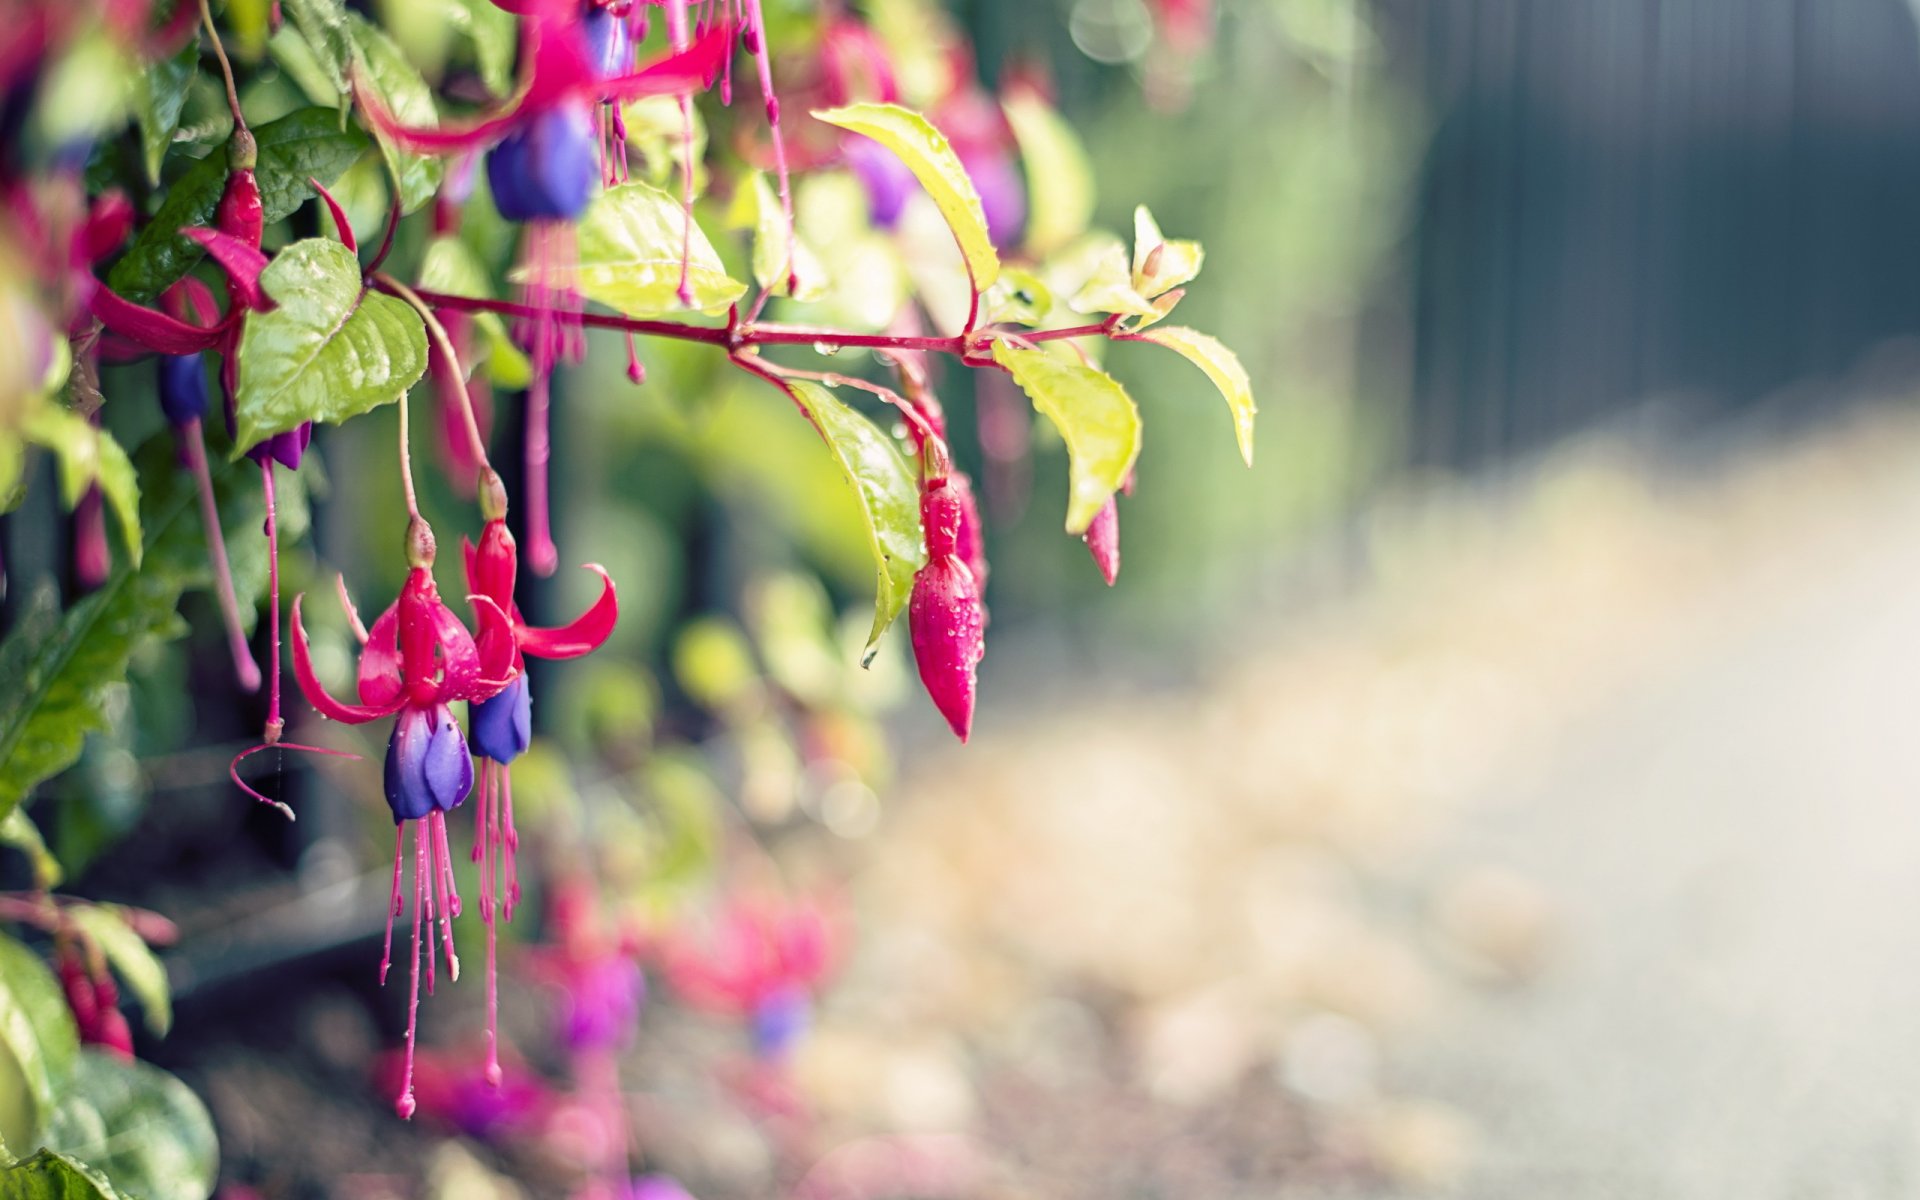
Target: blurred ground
x=1573, y=856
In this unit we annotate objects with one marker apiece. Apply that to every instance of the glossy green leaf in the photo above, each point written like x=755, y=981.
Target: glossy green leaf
x=333, y=349
x=1060, y=192
x=627, y=249
x=306, y=143
x=56, y=666
x=295, y=57
x=1094, y=415
x=1222, y=366
x=131, y=958
x=88, y=454
x=889, y=498
x=49, y=1175
x=19, y=831
x=928, y=155
x=159, y=95
x=1158, y=264
x=384, y=70
x=137, y=1125
x=451, y=266
x=323, y=23
x=36, y=1031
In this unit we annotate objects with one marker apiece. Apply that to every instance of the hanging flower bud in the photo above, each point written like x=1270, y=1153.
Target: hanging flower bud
x=546, y=169
x=183, y=388
x=945, y=616
x=1103, y=539
x=92, y=560
x=970, y=543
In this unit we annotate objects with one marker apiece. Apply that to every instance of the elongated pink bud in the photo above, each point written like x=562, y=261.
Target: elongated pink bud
x=1103, y=540
x=945, y=616
x=970, y=543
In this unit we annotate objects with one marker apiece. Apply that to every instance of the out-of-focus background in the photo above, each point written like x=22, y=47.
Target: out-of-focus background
x=1503, y=790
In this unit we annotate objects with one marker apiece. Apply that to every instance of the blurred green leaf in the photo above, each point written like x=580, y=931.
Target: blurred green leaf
x=129, y=954
x=1222, y=366
x=49, y=1175
x=333, y=349
x=19, y=831
x=1060, y=192
x=383, y=69
x=137, y=1125
x=889, y=498
x=1020, y=297
x=159, y=95
x=495, y=34
x=777, y=258
x=1093, y=413
x=37, y=1031
x=323, y=23
x=927, y=154
x=1110, y=288
x=713, y=663
x=301, y=144
x=628, y=256
x=56, y=668
x=87, y=455
x=452, y=267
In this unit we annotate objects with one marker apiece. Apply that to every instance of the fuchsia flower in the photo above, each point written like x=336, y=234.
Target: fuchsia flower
x=945, y=616
x=503, y=723
x=761, y=961
x=543, y=156
x=415, y=661
x=599, y=981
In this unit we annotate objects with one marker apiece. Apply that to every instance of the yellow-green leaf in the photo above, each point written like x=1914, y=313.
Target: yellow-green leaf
x=776, y=257
x=451, y=266
x=19, y=831
x=927, y=154
x=1222, y=366
x=1020, y=297
x=87, y=455
x=1158, y=264
x=383, y=68
x=1093, y=413
x=628, y=249
x=889, y=499
x=1110, y=288
x=1060, y=191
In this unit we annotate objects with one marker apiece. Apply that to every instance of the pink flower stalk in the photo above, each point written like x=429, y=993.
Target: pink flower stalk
x=761, y=961
x=415, y=661
x=503, y=724
x=542, y=164
x=945, y=616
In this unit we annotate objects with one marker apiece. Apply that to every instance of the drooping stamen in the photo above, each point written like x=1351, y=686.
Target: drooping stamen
x=487, y=839
x=394, y=907
x=244, y=668
x=764, y=62
x=509, y=838
x=678, y=39
x=404, y=1105
x=636, y=371
x=423, y=890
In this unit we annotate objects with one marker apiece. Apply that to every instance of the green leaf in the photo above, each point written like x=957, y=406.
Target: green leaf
x=496, y=38
x=381, y=67
x=55, y=667
x=931, y=159
x=889, y=499
x=36, y=1031
x=139, y=1126
x=1060, y=191
x=1222, y=366
x=306, y=143
x=295, y=57
x=323, y=23
x=1158, y=264
x=50, y=1175
x=628, y=256
x=1095, y=416
x=1018, y=296
x=131, y=957
x=159, y=95
x=332, y=349
x=756, y=207
x=1110, y=289
x=88, y=454
x=19, y=831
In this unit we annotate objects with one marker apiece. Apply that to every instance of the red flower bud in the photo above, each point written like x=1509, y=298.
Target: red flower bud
x=1103, y=540
x=945, y=616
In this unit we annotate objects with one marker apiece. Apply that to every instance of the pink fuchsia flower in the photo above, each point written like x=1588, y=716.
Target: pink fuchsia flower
x=503, y=724
x=945, y=615
x=450, y=1090
x=760, y=960
x=94, y=1000
x=600, y=986
x=415, y=661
